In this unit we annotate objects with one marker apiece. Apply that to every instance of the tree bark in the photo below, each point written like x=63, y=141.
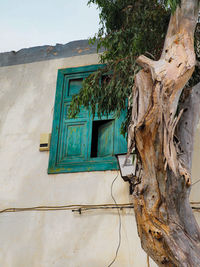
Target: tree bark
x=162, y=131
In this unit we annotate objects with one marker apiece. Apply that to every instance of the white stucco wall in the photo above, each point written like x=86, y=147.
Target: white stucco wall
x=55, y=238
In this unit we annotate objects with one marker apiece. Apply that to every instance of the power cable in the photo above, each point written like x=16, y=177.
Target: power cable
x=196, y=182
x=148, y=263
x=73, y=208
x=120, y=223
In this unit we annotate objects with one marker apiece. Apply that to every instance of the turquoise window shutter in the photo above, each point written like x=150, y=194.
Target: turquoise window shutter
x=105, y=139
x=74, y=86
x=73, y=142
x=83, y=143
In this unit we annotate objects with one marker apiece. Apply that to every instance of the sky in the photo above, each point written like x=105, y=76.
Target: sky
x=28, y=23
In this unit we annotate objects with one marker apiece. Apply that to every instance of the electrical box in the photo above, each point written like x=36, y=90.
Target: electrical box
x=45, y=139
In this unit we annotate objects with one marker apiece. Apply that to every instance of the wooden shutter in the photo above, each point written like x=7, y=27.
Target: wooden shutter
x=105, y=139
x=71, y=142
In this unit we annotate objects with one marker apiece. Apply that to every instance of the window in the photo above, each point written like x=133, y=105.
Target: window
x=84, y=143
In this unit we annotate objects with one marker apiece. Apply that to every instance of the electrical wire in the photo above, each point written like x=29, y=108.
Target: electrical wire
x=148, y=263
x=120, y=223
x=73, y=208
x=79, y=208
x=195, y=202
x=196, y=182
x=196, y=209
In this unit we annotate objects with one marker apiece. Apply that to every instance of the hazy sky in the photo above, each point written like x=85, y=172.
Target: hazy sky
x=27, y=23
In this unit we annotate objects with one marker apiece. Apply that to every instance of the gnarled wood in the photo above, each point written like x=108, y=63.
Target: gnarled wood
x=166, y=225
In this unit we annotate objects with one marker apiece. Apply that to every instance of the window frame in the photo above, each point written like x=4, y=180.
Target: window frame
x=92, y=163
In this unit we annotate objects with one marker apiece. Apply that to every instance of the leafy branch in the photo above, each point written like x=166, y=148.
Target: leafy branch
x=128, y=28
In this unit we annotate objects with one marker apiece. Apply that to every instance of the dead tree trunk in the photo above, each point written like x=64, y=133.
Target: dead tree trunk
x=159, y=132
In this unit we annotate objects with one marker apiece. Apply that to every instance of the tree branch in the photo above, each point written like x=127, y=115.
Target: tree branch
x=187, y=125
x=166, y=225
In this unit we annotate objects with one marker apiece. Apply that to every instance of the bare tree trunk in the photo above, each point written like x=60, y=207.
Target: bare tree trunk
x=159, y=132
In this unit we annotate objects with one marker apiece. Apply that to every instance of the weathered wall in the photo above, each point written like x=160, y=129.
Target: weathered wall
x=55, y=238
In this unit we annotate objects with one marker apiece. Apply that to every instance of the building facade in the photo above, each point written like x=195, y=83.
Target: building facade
x=60, y=238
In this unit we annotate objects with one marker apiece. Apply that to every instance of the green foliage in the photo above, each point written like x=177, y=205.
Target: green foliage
x=172, y=4
x=128, y=28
